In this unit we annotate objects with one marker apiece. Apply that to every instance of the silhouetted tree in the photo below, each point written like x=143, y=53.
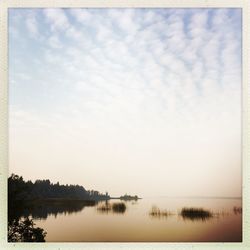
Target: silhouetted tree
x=19, y=190
x=24, y=231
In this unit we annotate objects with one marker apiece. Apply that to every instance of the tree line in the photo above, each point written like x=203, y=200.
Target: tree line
x=22, y=195
x=21, y=190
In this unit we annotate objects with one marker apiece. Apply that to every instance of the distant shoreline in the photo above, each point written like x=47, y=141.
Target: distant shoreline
x=119, y=198
x=196, y=197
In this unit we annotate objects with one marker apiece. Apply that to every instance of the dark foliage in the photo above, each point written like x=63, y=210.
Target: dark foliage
x=39, y=199
x=24, y=231
x=20, y=190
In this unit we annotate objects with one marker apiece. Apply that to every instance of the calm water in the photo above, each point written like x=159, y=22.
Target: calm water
x=81, y=224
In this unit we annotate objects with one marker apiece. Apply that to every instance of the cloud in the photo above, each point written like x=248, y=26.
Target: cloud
x=220, y=18
x=82, y=15
x=32, y=26
x=147, y=50
x=57, y=19
x=54, y=42
x=126, y=21
x=148, y=80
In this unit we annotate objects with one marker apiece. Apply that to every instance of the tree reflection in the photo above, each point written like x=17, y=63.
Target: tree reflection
x=43, y=209
x=24, y=230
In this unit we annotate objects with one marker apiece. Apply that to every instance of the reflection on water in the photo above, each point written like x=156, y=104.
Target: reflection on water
x=44, y=209
x=180, y=220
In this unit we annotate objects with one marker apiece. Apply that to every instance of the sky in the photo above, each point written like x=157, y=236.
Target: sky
x=137, y=101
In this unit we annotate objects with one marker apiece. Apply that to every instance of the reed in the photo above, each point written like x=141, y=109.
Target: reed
x=195, y=213
x=156, y=212
x=237, y=210
x=119, y=207
x=105, y=208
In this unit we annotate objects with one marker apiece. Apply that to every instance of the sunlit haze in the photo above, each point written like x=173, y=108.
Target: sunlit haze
x=137, y=101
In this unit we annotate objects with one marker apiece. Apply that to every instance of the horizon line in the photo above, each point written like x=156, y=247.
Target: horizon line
x=197, y=197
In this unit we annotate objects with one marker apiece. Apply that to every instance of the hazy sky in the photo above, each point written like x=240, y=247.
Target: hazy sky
x=143, y=101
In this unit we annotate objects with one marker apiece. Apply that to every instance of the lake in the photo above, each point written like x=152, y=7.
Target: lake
x=135, y=224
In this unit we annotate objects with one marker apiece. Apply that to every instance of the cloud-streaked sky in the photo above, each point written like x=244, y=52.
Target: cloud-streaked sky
x=143, y=101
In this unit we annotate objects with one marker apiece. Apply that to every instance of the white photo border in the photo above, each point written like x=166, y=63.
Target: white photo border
x=7, y=4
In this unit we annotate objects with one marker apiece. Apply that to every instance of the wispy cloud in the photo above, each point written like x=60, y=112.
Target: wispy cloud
x=57, y=19
x=31, y=24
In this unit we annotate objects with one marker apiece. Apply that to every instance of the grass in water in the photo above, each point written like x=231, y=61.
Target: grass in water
x=119, y=207
x=157, y=213
x=104, y=208
x=237, y=210
x=195, y=214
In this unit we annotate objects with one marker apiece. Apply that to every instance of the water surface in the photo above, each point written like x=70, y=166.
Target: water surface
x=135, y=224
